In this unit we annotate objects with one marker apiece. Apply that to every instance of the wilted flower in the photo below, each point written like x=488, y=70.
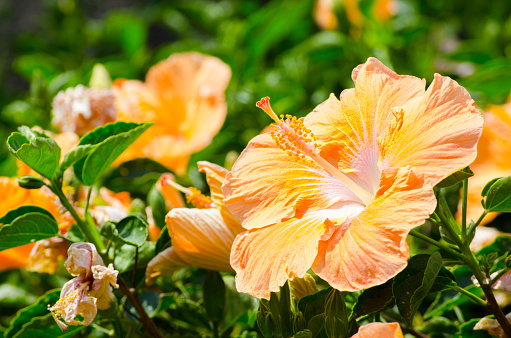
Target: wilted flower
x=380, y=330
x=493, y=153
x=80, y=109
x=90, y=290
x=492, y=326
x=202, y=236
x=339, y=191
x=184, y=97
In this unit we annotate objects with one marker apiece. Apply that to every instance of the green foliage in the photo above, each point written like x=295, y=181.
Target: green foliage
x=132, y=230
x=214, y=296
x=109, y=142
x=498, y=195
x=455, y=178
x=375, y=299
x=413, y=284
x=26, y=225
x=336, y=316
x=42, y=154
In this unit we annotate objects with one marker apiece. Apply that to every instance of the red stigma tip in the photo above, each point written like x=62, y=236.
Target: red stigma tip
x=264, y=102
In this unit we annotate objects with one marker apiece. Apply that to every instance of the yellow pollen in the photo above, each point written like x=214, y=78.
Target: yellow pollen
x=299, y=142
x=198, y=199
x=59, y=309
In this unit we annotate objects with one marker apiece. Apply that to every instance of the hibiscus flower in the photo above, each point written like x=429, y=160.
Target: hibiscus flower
x=339, y=191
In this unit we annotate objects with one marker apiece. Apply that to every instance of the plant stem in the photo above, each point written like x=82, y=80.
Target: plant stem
x=464, y=198
x=470, y=294
x=473, y=226
x=425, y=238
x=149, y=325
x=215, y=329
x=470, y=260
x=87, y=201
x=93, y=236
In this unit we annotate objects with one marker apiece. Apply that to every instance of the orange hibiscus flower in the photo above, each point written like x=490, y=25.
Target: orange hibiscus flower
x=493, y=153
x=339, y=191
x=180, y=94
x=202, y=236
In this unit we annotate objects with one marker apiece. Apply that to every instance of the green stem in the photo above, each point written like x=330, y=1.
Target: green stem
x=215, y=329
x=473, y=226
x=92, y=234
x=425, y=238
x=450, y=221
x=464, y=209
x=445, y=224
x=472, y=264
x=87, y=201
x=470, y=294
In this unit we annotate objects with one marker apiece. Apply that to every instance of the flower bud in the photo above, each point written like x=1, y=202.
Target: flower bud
x=30, y=182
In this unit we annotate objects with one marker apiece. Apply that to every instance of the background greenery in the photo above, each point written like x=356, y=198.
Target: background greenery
x=273, y=47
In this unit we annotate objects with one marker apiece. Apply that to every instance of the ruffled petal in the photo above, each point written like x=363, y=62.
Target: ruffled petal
x=371, y=248
x=265, y=258
x=436, y=133
x=201, y=238
x=380, y=330
x=267, y=185
x=353, y=123
x=81, y=258
x=164, y=263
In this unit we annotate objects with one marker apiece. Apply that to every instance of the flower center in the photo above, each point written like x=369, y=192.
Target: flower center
x=298, y=141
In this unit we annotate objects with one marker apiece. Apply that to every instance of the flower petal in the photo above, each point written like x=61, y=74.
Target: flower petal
x=267, y=185
x=438, y=133
x=215, y=176
x=200, y=237
x=354, y=122
x=371, y=248
x=265, y=258
x=164, y=263
x=15, y=258
x=380, y=330
x=81, y=258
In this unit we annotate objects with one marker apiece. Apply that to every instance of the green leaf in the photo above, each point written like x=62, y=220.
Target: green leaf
x=313, y=305
x=375, y=299
x=149, y=301
x=157, y=203
x=73, y=156
x=336, y=316
x=498, y=196
x=40, y=153
x=75, y=234
x=28, y=228
x=414, y=283
x=132, y=230
x=110, y=141
x=466, y=330
x=444, y=280
x=455, y=178
x=439, y=326
x=162, y=241
x=39, y=308
x=487, y=186
x=15, y=213
x=46, y=327
x=214, y=296
x=125, y=256
x=458, y=300
x=501, y=245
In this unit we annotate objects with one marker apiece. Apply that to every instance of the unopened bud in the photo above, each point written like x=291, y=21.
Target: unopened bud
x=301, y=287
x=30, y=182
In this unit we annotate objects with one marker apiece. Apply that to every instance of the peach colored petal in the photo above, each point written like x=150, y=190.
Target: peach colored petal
x=215, y=176
x=200, y=237
x=439, y=132
x=44, y=257
x=492, y=326
x=388, y=120
x=164, y=263
x=184, y=97
x=266, y=186
x=301, y=287
x=15, y=258
x=264, y=258
x=371, y=248
x=380, y=330
x=81, y=258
